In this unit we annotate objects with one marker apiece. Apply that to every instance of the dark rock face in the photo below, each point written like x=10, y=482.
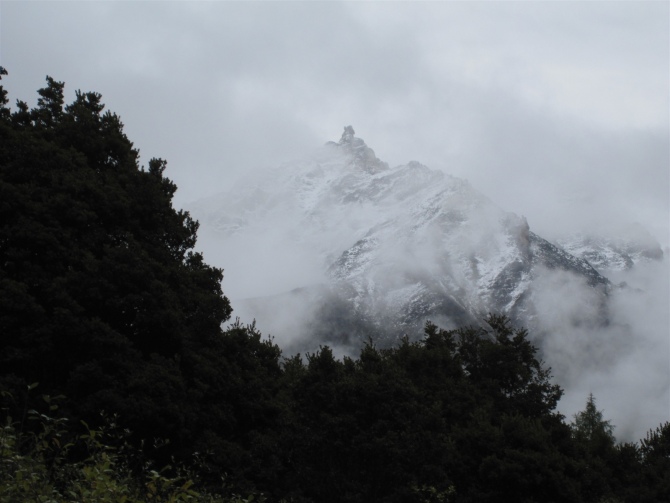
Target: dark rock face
x=554, y=257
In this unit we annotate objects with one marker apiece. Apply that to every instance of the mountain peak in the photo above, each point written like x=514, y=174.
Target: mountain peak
x=348, y=135
x=363, y=156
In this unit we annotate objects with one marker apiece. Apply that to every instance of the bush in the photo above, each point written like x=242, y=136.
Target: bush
x=52, y=463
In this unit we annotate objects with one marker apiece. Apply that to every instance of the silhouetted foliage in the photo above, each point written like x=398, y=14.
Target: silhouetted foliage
x=655, y=452
x=103, y=297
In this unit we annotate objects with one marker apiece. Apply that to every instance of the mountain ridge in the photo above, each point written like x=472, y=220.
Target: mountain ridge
x=397, y=245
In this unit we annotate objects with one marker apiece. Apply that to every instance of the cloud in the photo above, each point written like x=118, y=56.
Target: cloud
x=625, y=364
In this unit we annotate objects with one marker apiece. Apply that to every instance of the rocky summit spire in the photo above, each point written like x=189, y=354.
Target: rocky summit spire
x=347, y=136
x=363, y=156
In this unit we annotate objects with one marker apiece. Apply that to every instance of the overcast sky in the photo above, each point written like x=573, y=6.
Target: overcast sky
x=556, y=110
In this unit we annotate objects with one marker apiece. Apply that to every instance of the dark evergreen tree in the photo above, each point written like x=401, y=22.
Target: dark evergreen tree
x=655, y=451
x=590, y=427
x=103, y=297
x=596, y=444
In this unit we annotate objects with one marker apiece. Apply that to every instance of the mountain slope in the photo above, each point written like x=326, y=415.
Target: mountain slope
x=397, y=246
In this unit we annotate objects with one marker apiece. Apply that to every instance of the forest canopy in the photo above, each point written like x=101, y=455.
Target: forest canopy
x=106, y=306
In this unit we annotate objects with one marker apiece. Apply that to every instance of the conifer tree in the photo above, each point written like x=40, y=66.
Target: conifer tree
x=103, y=297
x=589, y=425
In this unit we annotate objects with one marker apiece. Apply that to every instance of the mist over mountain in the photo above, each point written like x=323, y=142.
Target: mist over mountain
x=614, y=249
x=338, y=248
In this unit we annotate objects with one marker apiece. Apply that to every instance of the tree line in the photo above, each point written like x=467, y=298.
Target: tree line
x=115, y=370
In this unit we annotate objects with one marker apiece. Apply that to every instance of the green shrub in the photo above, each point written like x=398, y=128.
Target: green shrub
x=43, y=460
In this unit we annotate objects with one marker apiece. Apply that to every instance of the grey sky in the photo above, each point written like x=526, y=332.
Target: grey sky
x=556, y=110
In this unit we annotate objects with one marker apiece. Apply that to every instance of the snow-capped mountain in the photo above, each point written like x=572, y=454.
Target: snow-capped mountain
x=397, y=246
x=614, y=249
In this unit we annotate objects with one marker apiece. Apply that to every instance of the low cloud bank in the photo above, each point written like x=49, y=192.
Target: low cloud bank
x=626, y=364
